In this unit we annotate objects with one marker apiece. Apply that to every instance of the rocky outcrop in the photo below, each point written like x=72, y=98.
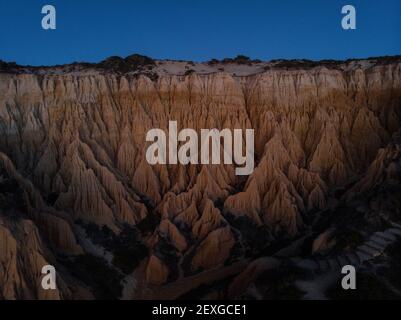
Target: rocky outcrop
x=214, y=250
x=156, y=272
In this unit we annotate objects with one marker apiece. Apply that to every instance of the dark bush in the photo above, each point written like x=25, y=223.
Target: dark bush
x=239, y=59
x=126, y=247
x=7, y=66
x=94, y=271
x=128, y=64
x=188, y=72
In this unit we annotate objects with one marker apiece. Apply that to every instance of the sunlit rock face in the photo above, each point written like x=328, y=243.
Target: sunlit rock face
x=73, y=146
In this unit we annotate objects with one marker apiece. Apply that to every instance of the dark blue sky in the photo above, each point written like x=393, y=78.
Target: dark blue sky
x=90, y=30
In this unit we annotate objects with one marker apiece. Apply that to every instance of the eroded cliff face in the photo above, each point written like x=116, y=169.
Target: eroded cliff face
x=74, y=144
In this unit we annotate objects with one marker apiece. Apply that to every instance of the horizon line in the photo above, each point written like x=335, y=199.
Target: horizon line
x=225, y=59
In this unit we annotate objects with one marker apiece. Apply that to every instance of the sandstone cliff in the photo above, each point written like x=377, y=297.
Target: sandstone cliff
x=73, y=141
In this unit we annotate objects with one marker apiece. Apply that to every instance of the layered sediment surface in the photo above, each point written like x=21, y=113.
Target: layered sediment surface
x=76, y=189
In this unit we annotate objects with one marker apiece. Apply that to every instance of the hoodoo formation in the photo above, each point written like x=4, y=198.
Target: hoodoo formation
x=77, y=192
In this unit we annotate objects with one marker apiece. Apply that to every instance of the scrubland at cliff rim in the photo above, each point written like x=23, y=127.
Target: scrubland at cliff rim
x=240, y=65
